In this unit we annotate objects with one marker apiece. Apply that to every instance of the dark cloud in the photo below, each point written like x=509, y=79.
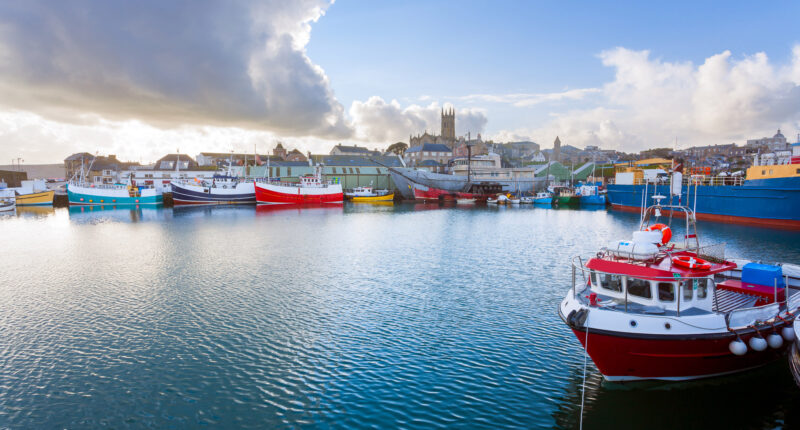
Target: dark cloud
x=167, y=63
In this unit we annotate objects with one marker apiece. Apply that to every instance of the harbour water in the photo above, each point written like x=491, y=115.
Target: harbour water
x=409, y=316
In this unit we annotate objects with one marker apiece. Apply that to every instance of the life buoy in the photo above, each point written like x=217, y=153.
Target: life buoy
x=694, y=263
x=666, y=232
x=707, y=170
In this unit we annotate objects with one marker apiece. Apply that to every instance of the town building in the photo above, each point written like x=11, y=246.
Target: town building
x=222, y=159
x=775, y=143
x=340, y=149
x=437, y=152
x=447, y=136
x=98, y=169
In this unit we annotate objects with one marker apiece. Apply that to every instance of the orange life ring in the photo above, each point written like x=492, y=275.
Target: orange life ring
x=666, y=232
x=693, y=263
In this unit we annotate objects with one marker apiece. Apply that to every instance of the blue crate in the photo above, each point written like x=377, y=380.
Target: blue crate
x=762, y=274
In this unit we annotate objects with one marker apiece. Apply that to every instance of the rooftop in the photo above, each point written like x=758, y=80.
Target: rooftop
x=431, y=147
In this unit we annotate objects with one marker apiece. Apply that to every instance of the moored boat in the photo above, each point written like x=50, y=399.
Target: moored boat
x=649, y=308
x=41, y=198
x=543, y=198
x=221, y=189
x=110, y=195
x=368, y=195
x=768, y=194
x=310, y=190
x=565, y=196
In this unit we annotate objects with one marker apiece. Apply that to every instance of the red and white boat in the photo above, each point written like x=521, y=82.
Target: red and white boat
x=648, y=308
x=310, y=190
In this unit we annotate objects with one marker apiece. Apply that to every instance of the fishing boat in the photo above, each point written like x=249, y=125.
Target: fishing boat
x=650, y=308
x=112, y=194
x=543, y=198
x=7, y=200
x=220, y=189
x=565, y=196
x=33, y=193
x=768, y=194
x=590, y=195
x=310, y=190
x=82, y=192
x=368, y=195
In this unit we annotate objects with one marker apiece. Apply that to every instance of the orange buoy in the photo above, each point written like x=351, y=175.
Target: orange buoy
x=693, y=263
x=666, y=232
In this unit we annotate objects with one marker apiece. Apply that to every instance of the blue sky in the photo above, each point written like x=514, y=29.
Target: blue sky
x=403, y=50
x=135, y=78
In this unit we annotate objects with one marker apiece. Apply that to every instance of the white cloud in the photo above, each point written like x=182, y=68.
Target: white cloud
x=376, y=120
x=236, y=63
x=650, y=102
x=530, y=99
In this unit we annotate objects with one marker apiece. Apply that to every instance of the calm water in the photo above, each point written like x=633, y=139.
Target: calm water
x=362, y=316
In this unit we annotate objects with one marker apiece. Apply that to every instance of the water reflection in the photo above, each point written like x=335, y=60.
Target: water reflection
x=116, y=213
x=35, y=211
x=297, y=209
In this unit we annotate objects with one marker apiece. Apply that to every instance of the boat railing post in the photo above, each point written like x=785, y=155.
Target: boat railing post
x=621, y=279
x=574, y=292
x=680, y=290
x=775, y=281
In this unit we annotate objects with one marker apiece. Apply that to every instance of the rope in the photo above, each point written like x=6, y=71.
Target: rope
x=585, y=356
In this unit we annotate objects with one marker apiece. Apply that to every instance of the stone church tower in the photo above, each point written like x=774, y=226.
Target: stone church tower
x=556, y=150
x=449, y=126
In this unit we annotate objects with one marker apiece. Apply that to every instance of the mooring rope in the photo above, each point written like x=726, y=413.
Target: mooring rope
x=585, y=361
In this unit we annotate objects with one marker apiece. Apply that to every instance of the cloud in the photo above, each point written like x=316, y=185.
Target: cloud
x=650, y=102
x=531, y=99
x=235, y=63
x=376, y=120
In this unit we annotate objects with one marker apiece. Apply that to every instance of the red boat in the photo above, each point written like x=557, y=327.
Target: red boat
x=423, y=193
x=310, y=190
x=648, y=308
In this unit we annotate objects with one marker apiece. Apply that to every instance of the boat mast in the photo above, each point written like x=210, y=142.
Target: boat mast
x=469, y=156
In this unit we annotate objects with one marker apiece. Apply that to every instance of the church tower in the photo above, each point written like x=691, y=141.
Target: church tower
x=556, y=150
x=449, y=126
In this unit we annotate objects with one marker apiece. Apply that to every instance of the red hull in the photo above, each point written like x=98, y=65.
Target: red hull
x=435, y=194
x=779, y=223
x=627, y=358
x=269, y=196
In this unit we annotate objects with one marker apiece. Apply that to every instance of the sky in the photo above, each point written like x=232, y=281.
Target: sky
x=146, y=78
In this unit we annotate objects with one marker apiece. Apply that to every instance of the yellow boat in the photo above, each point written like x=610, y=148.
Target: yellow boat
x=43, y=198
x=372, y=199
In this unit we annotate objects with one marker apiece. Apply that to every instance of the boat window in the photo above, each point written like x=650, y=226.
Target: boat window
x=699, y=285
x=666, y=292
x=593, y=275
x=687, y=291
x=639, y=288
x=611, y=282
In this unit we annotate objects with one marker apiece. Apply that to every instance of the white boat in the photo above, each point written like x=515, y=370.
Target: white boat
x=7, y=200
x=465, y=201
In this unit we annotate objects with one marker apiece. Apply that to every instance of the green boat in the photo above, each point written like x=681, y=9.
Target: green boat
x=565, y=196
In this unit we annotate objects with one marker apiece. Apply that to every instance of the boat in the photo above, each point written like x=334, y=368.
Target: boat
x=82, y=192
x=466, y=201
x=368, y=195
x=649, y=308
x=767, y=195
x=543, y=198
x=220, y=189
x=590, y=195
x=526, y=200
x=41, y=198
x=33, y=193
x=565, y=196
x=405, y=180
x=7, y=200
x=311, y=189
x=112, y=194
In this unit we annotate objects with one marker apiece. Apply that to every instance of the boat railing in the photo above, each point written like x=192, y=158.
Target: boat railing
x=109, y=186
x=692, y=180
x=293, y=184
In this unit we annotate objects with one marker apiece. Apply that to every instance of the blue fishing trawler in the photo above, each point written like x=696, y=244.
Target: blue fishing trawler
x=768, y=195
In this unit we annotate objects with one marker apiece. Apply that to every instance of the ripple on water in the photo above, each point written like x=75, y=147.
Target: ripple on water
x=344, y=318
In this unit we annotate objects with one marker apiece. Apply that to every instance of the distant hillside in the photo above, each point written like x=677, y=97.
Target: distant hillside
x=39, y=171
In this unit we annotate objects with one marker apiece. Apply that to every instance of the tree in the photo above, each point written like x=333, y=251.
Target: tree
x=398, y=148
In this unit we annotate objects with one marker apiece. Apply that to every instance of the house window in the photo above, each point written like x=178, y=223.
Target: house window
x=351, y=170
x=639, y=288
x=770, y=171
x=288, y=171
x=358, y=171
